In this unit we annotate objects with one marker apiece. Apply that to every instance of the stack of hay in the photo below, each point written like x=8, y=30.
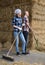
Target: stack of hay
x=2, y=62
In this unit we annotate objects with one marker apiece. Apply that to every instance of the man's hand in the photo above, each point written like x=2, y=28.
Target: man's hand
x=19, y=28
x=23, y=24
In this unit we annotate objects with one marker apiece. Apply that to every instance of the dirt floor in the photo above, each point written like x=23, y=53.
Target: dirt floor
x=16, y=63
x=34, y=58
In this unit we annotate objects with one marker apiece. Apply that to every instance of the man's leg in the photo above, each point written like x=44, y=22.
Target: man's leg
x=17, y=41
x=23, y=42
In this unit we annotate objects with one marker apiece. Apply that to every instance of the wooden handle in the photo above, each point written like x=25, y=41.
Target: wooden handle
x=12, y=44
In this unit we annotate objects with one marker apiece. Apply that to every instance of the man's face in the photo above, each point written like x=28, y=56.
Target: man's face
x=19, y=15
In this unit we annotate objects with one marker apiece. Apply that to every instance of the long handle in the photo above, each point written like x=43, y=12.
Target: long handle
x=12, y=44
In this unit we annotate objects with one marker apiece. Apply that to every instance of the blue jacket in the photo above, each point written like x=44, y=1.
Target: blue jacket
x=17, y=21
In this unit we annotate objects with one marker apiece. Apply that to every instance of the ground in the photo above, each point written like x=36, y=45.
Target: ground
x=36, y=58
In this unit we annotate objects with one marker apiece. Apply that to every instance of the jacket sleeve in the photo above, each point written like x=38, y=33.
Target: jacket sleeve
x=13, y=21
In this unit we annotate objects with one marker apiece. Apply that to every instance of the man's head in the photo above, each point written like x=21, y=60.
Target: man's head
x=18, y=12
x=26, y=13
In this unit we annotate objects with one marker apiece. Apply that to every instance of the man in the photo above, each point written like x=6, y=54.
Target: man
x=17, y=26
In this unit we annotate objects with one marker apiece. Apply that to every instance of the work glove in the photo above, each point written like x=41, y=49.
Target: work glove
x=20, y=29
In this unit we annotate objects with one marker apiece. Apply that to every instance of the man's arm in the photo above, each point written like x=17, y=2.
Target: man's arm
x=17, y=27
x=13, y=24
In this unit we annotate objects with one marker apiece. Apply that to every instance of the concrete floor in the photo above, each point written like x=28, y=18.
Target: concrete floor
x=33, y=57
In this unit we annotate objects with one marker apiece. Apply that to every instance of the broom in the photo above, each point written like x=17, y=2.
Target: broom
x=35, y=38
x=7, y=57
x=33, y=32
